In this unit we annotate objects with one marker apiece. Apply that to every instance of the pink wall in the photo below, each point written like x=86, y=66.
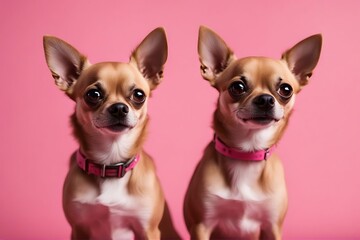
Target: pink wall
x=320, y=150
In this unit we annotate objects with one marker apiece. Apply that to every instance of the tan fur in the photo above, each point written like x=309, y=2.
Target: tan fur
x=112, y=208
x=235, y=199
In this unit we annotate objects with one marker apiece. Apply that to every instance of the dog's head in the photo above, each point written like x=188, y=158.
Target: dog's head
x=110, y=97
x=256, y=92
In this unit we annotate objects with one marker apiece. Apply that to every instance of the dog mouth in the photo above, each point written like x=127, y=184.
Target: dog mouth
x=115, y=127
x=255, y=118
x=111, y=124
x=260, y=120
x=118, y=127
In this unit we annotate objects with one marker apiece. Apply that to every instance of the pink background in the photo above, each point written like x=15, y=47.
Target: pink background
x=320, y=149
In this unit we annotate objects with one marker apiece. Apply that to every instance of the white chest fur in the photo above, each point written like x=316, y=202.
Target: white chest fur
x=243, y=207
x=127, y=212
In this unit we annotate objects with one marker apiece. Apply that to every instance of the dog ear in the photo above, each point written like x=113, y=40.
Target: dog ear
x=64, y=62
x=303, y=58
x=214, y=54
x=151, y=55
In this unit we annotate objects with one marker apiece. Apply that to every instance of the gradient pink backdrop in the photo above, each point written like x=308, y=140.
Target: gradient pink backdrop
x=320, y=149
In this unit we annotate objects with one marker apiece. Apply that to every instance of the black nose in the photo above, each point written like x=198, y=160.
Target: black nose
x=118, y=110
x=264, y=102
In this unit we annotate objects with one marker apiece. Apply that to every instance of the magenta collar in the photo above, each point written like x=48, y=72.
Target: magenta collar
x=115, y=170
x=242, y=155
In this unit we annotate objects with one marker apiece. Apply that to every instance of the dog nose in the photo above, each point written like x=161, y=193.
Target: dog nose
x=118, y=110
x=264, y=101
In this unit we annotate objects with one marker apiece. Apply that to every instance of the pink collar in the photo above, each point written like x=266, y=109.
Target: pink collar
x=115, y=170
x=242, y=155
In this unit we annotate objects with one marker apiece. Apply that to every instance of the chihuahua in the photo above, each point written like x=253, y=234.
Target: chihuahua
x=111, y=190
x=238, y=189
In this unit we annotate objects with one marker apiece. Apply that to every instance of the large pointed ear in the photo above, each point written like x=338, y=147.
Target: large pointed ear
x=303, y=58
x=151, y=55
x=64, y=61
x=214, y=54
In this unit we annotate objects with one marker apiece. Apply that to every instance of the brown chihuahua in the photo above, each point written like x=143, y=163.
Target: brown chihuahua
x=238, y=189
x=111, y=190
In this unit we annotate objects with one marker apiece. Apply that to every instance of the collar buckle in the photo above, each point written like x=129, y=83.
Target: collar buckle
x=266, y=154
x=119, y=167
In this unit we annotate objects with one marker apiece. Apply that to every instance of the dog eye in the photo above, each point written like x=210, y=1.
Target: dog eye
x=285, y=91
x=237, y=88
x=93, y=97
x=138, y=97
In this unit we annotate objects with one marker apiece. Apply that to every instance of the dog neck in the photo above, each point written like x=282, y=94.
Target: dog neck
x=106, y=149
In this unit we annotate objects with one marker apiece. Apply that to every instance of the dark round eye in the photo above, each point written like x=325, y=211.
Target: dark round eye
x=138, y=96
x=237, y=88
x=93, y=97
x=285, y=91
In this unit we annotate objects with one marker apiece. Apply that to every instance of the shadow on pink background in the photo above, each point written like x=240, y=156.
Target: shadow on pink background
x=320, y=150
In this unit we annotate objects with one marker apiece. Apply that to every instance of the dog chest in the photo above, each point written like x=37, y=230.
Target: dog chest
x=235, y=215
x=126, y=212
x=242, y=207
x=123, y=206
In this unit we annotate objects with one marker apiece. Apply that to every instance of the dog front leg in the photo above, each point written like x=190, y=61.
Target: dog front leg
x=149, y=234
x=153, y=234
x=200, y=232
x=271, y=233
